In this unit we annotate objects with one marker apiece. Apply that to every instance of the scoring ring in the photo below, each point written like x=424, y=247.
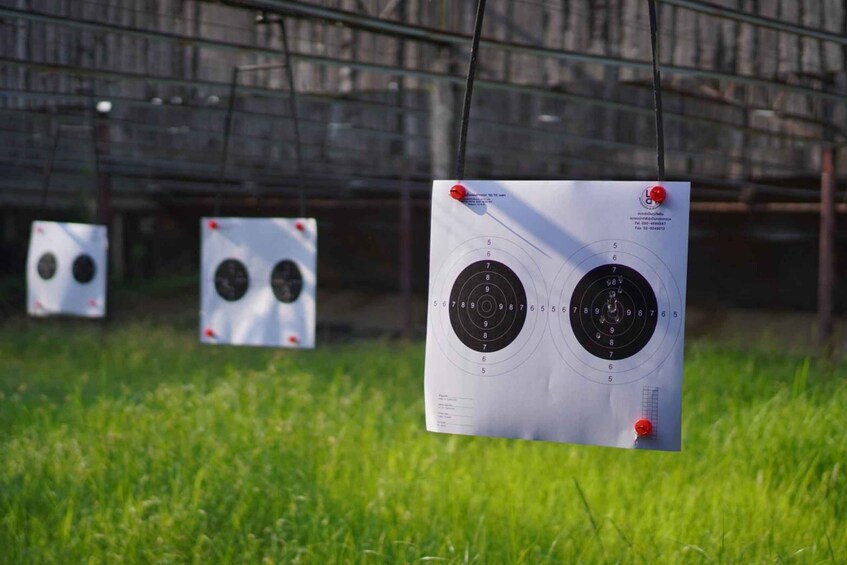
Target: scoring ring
x=613, y=312
x=487, y=306
x=643, y=357
x=460, y=334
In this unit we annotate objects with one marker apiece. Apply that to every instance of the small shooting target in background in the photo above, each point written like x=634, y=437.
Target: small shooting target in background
x=258, y=281
x=66, y=270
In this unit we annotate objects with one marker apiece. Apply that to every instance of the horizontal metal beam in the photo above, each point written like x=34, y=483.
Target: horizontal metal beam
x=714, y=124
x=433, y=35
x=410, y=32
x=526, y=130
x=772, y=207
x=186, y=161
x=311, y=124
x=756, y=20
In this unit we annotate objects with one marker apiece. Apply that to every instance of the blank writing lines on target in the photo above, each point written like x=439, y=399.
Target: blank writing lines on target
x=650, y=407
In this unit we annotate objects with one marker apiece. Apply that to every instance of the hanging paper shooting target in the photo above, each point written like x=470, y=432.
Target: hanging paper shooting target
x=258, y=281
x=66, y=270
x=556, y=311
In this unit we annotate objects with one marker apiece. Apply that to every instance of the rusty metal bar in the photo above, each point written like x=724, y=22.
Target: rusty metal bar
x=826, y=253
x=771, y=207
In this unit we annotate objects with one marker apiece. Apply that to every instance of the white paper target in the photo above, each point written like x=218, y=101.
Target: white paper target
x=556, y=312
x=258, y=281
x=66, y=270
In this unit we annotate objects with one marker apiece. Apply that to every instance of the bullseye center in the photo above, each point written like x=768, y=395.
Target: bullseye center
x=614, y=311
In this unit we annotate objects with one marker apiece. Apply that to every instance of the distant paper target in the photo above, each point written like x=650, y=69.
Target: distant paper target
x=66, y=270
x=258, y=281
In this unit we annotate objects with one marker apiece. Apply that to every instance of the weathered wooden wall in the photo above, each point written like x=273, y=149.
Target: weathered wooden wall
x=188, y=126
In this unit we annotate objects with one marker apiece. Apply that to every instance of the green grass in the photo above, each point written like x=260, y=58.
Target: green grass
x=138, y=445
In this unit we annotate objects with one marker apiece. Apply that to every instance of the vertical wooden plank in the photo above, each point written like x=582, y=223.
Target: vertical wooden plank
x=826, y=265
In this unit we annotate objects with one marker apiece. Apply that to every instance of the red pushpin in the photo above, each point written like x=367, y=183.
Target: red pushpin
x=643, y=427
x=293, y=340
x=209, y=332
x=38, y=304
x=39, y=229
x=300, y=226
x=92, y=302
x=458, y=192
x=658, y=194
x=213, y=225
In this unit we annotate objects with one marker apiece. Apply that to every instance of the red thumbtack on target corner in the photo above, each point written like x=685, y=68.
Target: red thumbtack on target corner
x=213, y=225
x=458, y=192
x=293, y=340
x=643, y=427
x=658, y=194
x=300, y=226
x=209, y=332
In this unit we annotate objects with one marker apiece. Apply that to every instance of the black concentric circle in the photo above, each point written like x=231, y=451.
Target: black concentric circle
x=84, y=269
x=47, y=266
x=231, y=280
x=613, y=312
x=286, y=281
x=487, y=306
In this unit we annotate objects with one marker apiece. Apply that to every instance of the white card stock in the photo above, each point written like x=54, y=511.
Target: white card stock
x=557, y=311
x=258, y=281
x=66, y=270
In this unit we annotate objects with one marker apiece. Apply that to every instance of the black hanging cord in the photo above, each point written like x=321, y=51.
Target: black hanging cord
x=51, y=161
x=289, y=70
x=99, y=211
x=466, y=109
x=233, y=88
x=233, y=85
x=48, y=171
x=657, y=92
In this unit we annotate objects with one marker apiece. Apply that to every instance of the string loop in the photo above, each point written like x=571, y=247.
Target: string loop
x=233, y=88
x=466, y=108
x=657, y=92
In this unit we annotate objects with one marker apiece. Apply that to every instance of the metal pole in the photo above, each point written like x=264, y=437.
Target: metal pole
x=100, y=138
x=826, y=264
x=233, y=85
x=48, y=171
x=292, y=101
